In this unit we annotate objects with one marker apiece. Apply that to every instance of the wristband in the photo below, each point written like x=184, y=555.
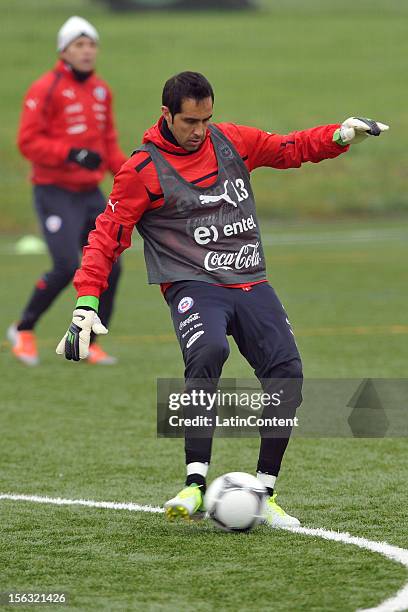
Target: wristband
x=88, y=300
x=337, y=139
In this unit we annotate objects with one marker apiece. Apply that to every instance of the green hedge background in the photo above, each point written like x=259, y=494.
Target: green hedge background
x=290, y=65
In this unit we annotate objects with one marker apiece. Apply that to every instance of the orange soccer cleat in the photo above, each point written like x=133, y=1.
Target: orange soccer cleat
x=98, y=356
x=23, y=345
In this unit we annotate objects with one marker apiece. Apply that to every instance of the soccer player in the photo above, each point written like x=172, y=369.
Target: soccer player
x=188, y=190
x=67, y=132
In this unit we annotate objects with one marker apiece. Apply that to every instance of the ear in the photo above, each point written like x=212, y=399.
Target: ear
x=167, y=115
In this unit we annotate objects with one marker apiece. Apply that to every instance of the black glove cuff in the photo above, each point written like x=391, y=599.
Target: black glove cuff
x=72, y=155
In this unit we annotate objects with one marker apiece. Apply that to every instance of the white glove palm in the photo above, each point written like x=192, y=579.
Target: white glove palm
x=75, y=343
x=356, y=129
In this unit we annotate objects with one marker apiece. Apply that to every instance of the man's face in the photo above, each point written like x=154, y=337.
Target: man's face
x=189, y=126
x=81, y=54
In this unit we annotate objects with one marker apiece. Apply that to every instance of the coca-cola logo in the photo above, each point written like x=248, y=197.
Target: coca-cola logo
x=193, y=317
x=247, y=257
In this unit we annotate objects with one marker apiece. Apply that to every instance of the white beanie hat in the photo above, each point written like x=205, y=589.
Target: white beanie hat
x=73, y=28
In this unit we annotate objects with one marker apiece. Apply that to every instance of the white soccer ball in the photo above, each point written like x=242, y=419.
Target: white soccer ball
x=235, y=501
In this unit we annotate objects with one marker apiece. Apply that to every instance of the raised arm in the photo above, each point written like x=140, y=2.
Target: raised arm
x=312, y=145
x=291, y=150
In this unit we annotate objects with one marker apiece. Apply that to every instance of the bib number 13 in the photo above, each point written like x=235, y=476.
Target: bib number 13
x=239, y=188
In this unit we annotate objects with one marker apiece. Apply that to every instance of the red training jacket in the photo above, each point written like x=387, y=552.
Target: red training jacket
x=60, y=113
x=137, y=189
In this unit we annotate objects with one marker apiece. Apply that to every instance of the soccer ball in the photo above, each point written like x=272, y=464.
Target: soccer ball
x=235, y=501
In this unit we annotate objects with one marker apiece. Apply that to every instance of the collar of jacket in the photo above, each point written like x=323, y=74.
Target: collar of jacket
x=157, y=134
x=65, y=69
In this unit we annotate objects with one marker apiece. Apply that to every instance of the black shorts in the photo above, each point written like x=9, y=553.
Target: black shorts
x=204, y=314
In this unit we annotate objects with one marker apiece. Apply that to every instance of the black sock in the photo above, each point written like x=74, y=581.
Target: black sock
x=271, y=454
x=25, y=326
x=43, y=295
x=197, y=479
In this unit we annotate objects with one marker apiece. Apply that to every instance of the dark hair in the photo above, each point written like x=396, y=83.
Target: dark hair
x=185, y=85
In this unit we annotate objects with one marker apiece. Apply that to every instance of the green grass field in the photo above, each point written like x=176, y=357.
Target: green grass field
x=292, y=65
x=76, y=431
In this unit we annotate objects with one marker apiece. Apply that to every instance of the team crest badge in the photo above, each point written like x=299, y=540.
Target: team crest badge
x=185, y=304
x=226, y=152
x=100, y=93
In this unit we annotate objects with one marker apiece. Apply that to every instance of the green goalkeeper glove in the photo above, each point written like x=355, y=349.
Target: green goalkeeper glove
x=356, y=129
x=75, y=343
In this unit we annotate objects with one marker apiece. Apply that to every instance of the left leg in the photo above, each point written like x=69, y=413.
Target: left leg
x=288, y=377
x=263, y=334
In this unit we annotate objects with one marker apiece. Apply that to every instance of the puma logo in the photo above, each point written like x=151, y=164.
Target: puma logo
x=112, y=204
x=207, y=199
x=31, y=103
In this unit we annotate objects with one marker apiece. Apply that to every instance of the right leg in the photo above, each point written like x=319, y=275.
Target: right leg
x=61, y=221
x=201, y=330
x=200, y=314
x=61, y=224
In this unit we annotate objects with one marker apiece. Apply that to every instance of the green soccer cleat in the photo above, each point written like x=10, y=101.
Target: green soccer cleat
x=275, y=516
x=188, y=504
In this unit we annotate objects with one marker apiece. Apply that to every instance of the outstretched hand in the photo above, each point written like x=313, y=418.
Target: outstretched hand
x=75, y=343
x=357, y=129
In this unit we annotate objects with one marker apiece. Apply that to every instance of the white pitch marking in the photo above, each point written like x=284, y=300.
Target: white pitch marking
x=59, y=501
x=397, y=603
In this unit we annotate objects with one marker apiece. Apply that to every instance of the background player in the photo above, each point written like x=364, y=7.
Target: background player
x=189, y=192
x=67, y=132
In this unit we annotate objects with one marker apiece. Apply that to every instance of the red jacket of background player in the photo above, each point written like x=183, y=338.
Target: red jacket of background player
x=61, y=113
x=137, y=188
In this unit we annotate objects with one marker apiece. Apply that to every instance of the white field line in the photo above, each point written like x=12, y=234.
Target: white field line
x=397, y=603
x=59, y=501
